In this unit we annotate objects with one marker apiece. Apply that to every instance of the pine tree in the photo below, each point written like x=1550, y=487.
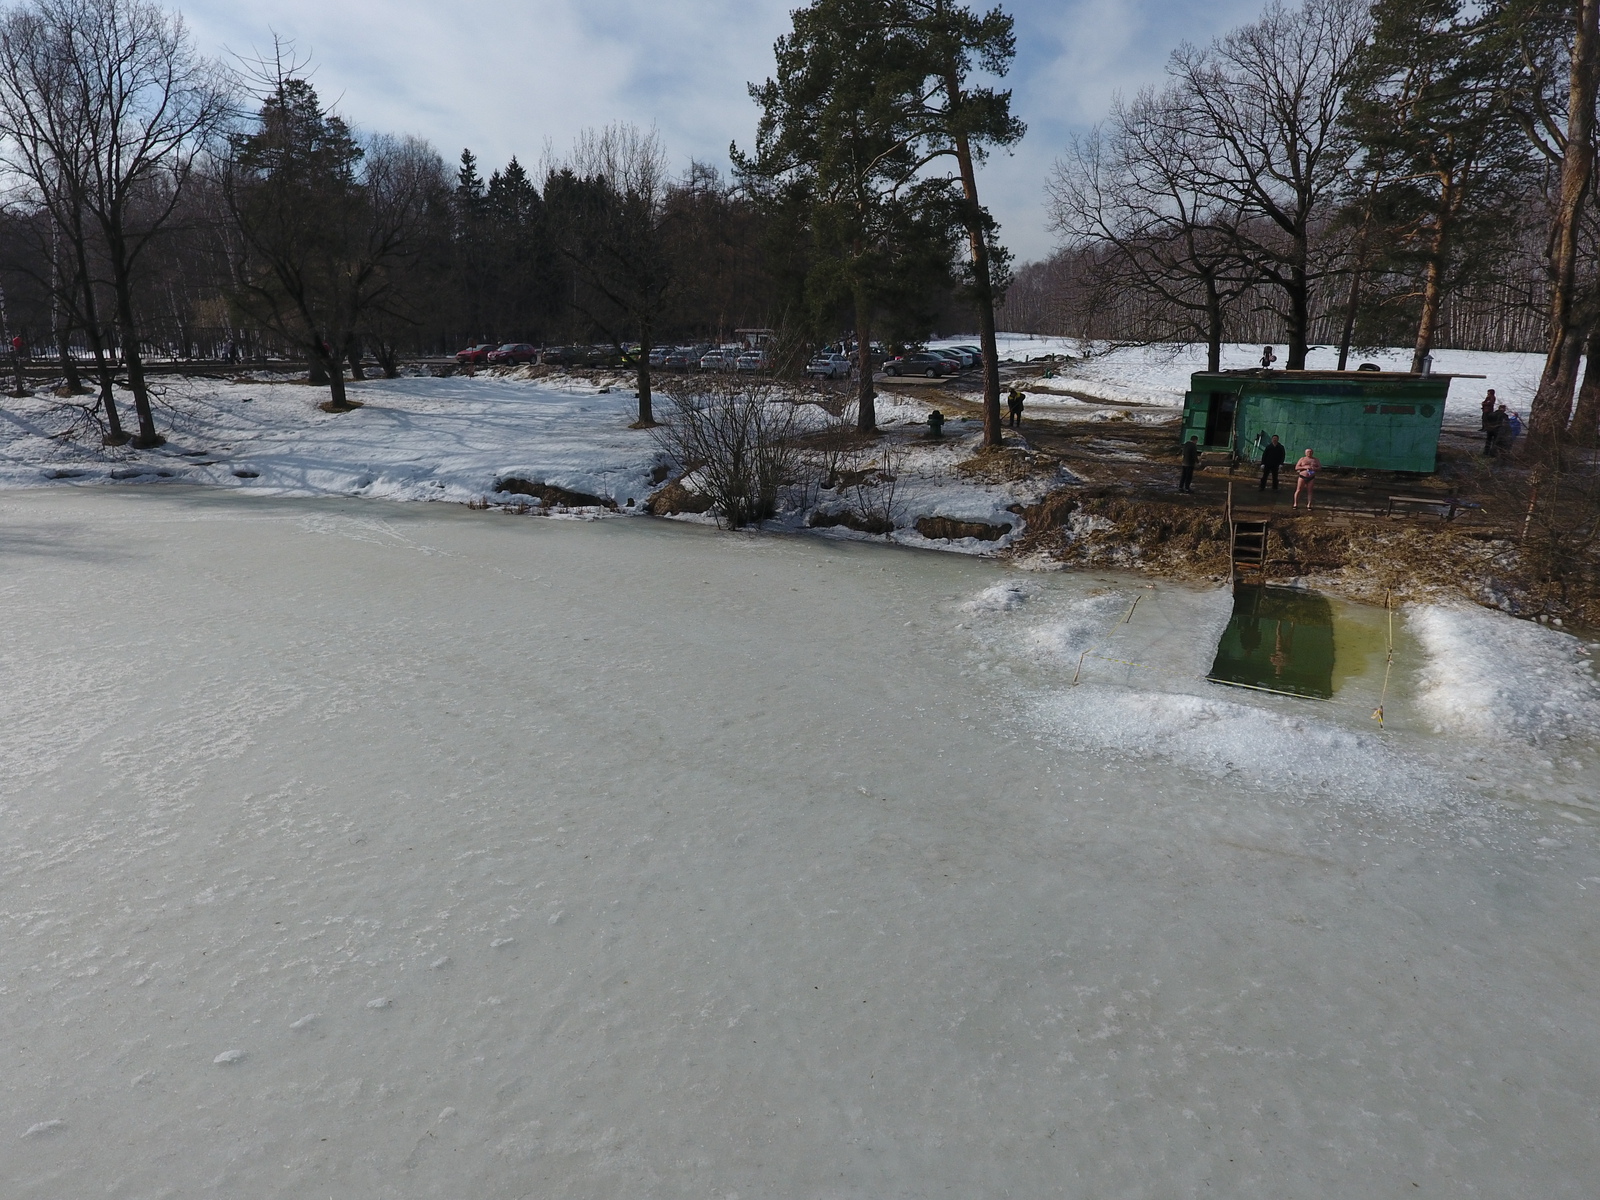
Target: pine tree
x=837, y=161
x=961, y=121
x=1444, y=164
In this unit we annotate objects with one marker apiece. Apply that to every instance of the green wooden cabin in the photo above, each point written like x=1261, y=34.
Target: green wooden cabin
x=1384, y=420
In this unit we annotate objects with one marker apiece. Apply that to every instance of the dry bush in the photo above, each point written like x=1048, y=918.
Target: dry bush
x=740, y=441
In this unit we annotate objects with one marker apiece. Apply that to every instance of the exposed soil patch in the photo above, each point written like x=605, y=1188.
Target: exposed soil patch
x=850, y=520
x=550, y=496
x=948, y=528
x=674, y=499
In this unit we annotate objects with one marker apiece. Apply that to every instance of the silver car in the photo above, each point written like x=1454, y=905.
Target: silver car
x=829, y=366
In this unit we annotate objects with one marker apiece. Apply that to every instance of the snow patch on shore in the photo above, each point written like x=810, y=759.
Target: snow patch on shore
x=1489, y=676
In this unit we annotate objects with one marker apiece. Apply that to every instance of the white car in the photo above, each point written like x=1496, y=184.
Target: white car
x=754, y=360
x=829, y=366
x=716, y=360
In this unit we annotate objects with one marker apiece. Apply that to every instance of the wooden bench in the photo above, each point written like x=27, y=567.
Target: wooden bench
x=1448, y=505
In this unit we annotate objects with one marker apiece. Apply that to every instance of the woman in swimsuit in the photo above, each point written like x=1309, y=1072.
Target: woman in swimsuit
x=1306, y=469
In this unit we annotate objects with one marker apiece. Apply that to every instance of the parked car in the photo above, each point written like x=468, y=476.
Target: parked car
x=476, y=354
x=681, y=358
x=968, y=356
x=920, y=362
x=829, y=366
x=512, y=353
x=954, y=356
x=717, y=360
x=752, y=360
x=658, y=356
x=556, y=356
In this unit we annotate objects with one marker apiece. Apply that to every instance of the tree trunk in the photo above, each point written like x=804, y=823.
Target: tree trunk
x=866, y=414
x=122, y=287
x=1213, y=326
x=316, y=369
x=1348, y=332
x=1552, y=403
x=69, y=365
x=982, y=284
x=1586, y=419
x=1432, y=297
x=115, y=436
x=333, y=369
x=1299, y=318
x=353, y=357
x=1357, y=269
x=647, y=416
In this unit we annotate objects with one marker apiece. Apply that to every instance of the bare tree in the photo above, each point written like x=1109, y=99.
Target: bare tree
x=1137, y=189
x=1269, y=98
x=107, y=106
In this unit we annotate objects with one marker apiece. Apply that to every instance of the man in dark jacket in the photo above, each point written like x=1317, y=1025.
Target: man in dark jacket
x=1191, y=459
x=1272, y=456
x=1014, y=408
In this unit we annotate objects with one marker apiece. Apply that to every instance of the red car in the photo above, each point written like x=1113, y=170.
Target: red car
x=475, y=354
x=514, y=352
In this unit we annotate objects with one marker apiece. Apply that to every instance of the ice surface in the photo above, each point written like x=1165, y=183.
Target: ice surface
x=855, y=893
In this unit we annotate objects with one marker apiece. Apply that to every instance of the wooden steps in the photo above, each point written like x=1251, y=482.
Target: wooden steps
x=1250, y=547
x=1248, y=552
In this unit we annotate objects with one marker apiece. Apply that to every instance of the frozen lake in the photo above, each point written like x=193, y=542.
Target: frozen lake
x=353, y=849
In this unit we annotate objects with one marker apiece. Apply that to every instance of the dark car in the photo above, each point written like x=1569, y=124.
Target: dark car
x=476, y=354
x=920, y=363
x=514, y=352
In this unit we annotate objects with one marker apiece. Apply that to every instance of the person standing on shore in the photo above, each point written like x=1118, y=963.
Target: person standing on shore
x=1306, y=469
x=1191, y=459
x=1488, y=406
x=1272, y=456
x=1014, y=407
x=1492, y=421
x=1267, y=358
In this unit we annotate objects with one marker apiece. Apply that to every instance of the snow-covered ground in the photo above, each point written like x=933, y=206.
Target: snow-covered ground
x=1159, y=375
x=454, y=439
x=362, y=850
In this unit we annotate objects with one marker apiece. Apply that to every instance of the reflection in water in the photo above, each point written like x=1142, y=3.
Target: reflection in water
x=1279, y=640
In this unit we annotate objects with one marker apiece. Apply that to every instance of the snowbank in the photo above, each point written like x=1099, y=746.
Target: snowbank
x=1490, y=677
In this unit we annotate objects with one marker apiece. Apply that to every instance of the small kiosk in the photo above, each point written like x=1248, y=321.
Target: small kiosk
x=1382, y=420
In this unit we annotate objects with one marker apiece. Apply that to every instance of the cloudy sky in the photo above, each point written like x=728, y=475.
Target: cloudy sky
x=506, y=77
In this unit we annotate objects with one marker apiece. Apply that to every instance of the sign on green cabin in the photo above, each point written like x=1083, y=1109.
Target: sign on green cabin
x=1382, y=420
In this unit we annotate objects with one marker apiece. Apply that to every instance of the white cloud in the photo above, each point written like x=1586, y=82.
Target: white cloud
x=504, y=77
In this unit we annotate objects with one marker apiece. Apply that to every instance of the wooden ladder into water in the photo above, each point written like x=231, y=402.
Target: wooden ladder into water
x=1248, y=550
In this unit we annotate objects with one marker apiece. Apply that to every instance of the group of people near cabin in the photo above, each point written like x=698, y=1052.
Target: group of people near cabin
x=1273, y=456
x=1501, y=427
